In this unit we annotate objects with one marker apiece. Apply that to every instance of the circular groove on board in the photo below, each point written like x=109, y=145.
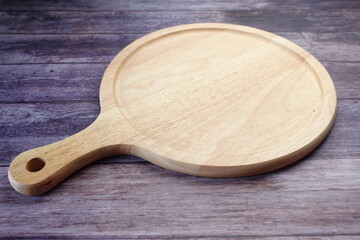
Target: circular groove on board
x=224, y=90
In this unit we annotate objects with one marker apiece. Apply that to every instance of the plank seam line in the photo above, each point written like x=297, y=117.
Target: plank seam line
x=67, y=63
x=53, y=101
x=142, y=33
x=52, y=63
x=92, y=101
x=99, y=162
x=182, y=237
x=308, y=9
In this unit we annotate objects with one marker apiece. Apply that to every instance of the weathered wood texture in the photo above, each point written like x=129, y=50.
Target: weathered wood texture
x=130, y=21
x=50, y=122
x=99, y=48
x=80, y=82
x=52, y=57
x=134, y=200
x=112, y=5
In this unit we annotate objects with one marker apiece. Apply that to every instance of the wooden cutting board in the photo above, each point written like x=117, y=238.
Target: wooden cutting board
x=213, y=100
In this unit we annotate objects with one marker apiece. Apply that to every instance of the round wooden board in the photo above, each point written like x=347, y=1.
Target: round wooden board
x=214, y=100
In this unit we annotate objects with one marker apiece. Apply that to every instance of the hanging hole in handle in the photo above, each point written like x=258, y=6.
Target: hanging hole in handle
x=35, y=164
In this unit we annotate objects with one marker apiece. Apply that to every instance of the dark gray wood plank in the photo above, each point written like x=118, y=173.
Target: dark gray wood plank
x=26, y=126
x=102, y=48
x=311, y=198
x=345, y=77
x=112, y=5
x=62, y=48
x=252, y=237
x=50, y=22
x=51, y=119
x=125, y=197
x=228, y=237
x=53, y=82
x=80, y=82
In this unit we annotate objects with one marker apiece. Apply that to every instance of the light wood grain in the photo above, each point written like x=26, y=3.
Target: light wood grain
x=227, y=101
x=100, y=48
x=46, y=108
x=30, y=125
x=79, y=82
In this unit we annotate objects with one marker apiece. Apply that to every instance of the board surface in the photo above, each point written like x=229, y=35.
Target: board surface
x=214, y=100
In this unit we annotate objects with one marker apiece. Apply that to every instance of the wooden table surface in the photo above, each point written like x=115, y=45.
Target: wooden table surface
x=52, y=57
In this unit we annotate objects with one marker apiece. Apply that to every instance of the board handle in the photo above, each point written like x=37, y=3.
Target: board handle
x=38, y=170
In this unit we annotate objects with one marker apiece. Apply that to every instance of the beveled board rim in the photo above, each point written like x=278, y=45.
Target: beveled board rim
x=315, y=134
